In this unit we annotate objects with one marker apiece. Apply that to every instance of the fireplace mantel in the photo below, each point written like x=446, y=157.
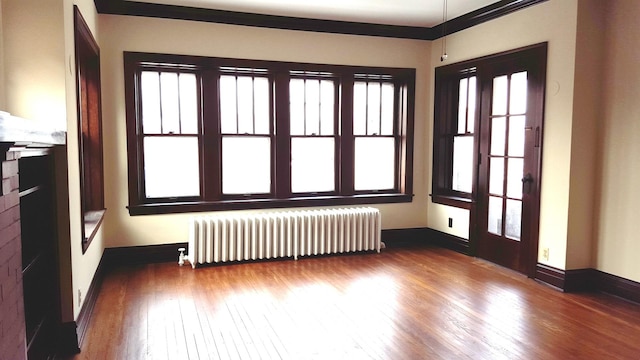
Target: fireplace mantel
x=19, y=132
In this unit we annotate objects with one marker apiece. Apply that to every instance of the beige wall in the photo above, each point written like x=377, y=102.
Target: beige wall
x=126, y=33
x=618, y=244
x=34, y=60
x=587, y=104
x=554, y=22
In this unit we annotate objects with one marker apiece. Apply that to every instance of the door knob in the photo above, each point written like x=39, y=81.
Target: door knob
x=527, y=180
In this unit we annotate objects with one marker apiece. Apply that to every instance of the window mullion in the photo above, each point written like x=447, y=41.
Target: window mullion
x=282, y=154
x=211, y=143
x=380, y=109
x=347, y=141
x=253, y=99
x=160, y=104
x=319, y=107
x=399, y=113
x=179, y=105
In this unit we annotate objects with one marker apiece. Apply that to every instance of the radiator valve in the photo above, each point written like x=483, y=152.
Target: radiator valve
x=181, y=256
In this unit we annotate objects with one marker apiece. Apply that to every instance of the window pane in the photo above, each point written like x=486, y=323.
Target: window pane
x=245, y=104
x=472, y=105
x=188, y=103
x=312, y=165
x=373, y=109
x=513, y=219
x=387, y=109
x=312, y=107
x=171, y=167
x=496, y=176
x=498, y=130
x=518, y=99
x=246, y=165
x=514, y=178
x=360, y=108
x=374, y=163
x=462, y=163
x=296, y=101
x=169, y=103
x=500, y=95
x=150, y=92
x=261, y=91
x=494, y=225
x=516, y=136
x=228, y=117
x=327, y=93
x=462, y=106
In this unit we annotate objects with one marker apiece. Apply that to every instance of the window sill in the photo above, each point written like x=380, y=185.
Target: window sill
x=199, y=206
x=91, y=222
x=455, y=201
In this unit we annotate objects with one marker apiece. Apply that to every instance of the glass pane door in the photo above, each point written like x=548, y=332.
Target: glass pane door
x=506, y=155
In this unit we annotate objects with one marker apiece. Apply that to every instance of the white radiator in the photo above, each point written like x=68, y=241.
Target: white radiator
x=222, y=238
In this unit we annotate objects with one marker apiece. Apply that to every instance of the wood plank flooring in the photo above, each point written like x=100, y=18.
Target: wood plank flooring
x=411, y=303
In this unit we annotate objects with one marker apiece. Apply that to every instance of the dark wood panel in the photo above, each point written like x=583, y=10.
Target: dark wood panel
x=416, y=303
x=487, y=13
x=40, y=277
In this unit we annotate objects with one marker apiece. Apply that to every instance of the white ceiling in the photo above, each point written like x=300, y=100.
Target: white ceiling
x=425, y=13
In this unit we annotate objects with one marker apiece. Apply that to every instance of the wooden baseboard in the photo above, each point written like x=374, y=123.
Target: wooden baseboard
x=448, y=241
x=589, y=280
x=68, y=339
x=90, y=301
x=618, y=286
x=550, y=276
x=395, y=238
x=581, y=280
x=142, y=254
x=424, y=236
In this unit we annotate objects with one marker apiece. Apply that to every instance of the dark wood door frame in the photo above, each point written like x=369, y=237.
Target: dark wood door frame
x=534, y=59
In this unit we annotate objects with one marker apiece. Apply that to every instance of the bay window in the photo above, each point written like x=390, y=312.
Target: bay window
x=217, y=134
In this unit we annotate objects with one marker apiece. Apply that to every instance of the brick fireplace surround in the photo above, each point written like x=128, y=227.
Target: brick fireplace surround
x=12, y=323
x=16, y=136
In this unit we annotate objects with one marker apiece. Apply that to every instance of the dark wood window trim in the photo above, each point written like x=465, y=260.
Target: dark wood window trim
x=211, y=197
x=445, y=124
x=445, y=119
x=89, y=108
x=484, y=14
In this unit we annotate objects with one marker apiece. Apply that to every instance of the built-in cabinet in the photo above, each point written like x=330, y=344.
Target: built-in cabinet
x=40, y=278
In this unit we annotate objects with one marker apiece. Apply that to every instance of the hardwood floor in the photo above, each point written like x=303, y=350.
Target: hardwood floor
x=412, y=303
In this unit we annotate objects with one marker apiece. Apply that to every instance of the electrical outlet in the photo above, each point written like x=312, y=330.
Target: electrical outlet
x=450, y=222
x=545, y=254
x=79, y=296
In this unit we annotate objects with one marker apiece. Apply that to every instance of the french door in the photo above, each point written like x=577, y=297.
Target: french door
x=508, y=192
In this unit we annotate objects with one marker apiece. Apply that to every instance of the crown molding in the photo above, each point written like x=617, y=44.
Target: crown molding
x=134, y=8
x=487, y=13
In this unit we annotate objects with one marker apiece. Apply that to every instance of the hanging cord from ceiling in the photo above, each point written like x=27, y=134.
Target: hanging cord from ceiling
x=444, y=55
